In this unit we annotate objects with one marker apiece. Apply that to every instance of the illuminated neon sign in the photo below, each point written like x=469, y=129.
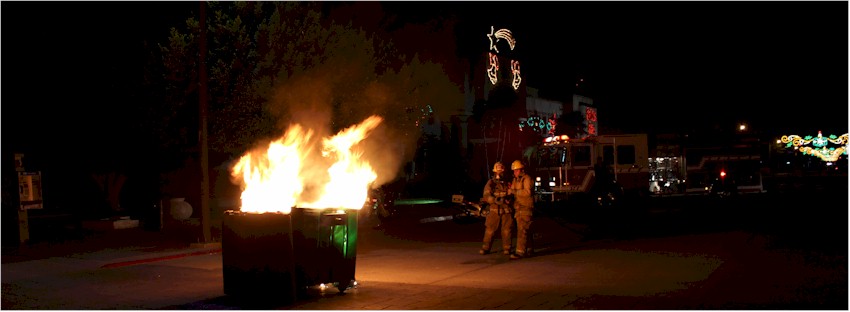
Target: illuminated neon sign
x=819, y=145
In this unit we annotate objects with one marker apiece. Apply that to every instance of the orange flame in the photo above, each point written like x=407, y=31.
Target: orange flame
x=289, y=174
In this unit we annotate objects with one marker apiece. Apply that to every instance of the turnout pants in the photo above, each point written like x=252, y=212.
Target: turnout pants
x=499, y=218
x=524, y=235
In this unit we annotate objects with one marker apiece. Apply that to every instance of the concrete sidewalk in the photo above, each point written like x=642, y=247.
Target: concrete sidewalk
x=144, y=242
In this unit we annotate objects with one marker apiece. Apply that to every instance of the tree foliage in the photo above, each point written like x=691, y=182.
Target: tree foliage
x=274, y=63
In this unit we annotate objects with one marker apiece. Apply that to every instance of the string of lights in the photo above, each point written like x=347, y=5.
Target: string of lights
x=516, y=73
x=500, y=34
x=493, y=69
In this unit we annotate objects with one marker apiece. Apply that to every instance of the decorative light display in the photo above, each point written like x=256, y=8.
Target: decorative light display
x=591, y=129
x=590, y=116
x=426, y=114
x=493, y=70
x=500, y=34
x=554, y=122
x=821, y=145
x=538, y=124
x=490, y=36
x=515, y=72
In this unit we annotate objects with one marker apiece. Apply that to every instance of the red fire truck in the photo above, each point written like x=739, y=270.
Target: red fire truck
x=563, y=167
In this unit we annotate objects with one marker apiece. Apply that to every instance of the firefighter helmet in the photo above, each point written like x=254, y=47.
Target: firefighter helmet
x=517, y=165
x=498, y=167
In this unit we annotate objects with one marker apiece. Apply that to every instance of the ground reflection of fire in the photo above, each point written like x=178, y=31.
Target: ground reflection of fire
x=300, y=170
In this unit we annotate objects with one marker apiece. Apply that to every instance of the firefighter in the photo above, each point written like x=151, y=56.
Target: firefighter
x=495, y=194
x=523, y=205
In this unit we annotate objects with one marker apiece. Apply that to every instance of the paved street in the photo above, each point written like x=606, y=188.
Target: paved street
x=408, y=265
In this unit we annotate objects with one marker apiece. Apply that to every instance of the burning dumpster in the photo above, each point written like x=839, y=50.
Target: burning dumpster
x=298, y=245
x=325, y=244
x=257, y=256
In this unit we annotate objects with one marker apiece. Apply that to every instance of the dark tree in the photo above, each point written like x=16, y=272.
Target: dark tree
x=272, y=64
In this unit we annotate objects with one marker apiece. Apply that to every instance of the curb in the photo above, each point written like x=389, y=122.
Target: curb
x=162, y=258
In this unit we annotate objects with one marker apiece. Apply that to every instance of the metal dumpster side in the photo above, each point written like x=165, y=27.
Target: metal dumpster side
x=325, y=245
x=257, y=256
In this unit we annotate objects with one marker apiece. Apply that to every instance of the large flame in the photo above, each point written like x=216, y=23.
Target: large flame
x=289, y=173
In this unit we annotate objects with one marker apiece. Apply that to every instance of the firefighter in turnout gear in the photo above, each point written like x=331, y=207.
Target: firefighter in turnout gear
x=500, y=215
x=523, y=205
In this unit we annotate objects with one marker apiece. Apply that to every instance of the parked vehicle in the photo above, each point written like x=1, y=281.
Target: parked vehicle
x=565, y=167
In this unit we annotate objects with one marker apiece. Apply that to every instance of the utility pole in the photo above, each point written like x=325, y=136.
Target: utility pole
x=204, y=150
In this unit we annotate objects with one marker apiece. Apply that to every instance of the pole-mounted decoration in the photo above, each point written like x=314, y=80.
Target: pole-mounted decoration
x=493, y=69
x=819, y=145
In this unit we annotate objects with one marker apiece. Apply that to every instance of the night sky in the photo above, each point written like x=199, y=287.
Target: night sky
x=650, y=66
x=71, y=67
x=678, y=66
